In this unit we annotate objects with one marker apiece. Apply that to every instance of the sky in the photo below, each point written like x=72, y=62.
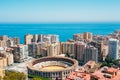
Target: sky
x=50, y=11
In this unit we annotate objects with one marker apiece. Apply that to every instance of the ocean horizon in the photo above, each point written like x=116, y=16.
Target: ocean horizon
x=64, y=30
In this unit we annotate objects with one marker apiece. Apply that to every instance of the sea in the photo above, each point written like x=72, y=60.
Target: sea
x=64, y=30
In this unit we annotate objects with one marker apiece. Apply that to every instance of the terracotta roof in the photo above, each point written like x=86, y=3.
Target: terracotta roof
x=112, y=70
x=78, y=75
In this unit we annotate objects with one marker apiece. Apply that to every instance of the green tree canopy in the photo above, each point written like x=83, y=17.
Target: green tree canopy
x=36, y=78
x=10, y=75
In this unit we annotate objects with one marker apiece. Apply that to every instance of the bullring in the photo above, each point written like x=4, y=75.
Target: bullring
x=52, y=67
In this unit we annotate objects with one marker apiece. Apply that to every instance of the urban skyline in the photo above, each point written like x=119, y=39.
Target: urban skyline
x=46, y=52
x=60, y=40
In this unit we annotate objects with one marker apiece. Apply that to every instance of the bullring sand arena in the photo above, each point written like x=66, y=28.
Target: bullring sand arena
x=52, y=67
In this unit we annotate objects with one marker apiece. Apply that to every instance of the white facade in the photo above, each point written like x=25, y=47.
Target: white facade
x=54, y=38
x=10, y=58
x=113, y=48
x=23, y=51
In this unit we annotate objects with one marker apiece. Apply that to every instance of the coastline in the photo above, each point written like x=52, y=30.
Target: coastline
x=64, y=30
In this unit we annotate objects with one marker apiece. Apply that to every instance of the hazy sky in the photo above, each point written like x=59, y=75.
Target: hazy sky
x=59, y=11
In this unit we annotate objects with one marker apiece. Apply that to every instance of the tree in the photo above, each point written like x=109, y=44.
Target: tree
x=109, y=60
x=67, y=55
x=36, y=78
x=105, y=64
x=10, y=75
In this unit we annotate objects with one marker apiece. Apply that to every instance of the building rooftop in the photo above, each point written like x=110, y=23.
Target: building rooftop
x=106, y=73
x=111, y=70
x=90, y=64
x=112, y=39
x=78, y=75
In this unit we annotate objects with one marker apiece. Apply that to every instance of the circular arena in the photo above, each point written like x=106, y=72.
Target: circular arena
x=55, y=68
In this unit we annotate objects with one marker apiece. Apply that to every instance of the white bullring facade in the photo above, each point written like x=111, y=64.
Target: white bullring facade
x=52, y=67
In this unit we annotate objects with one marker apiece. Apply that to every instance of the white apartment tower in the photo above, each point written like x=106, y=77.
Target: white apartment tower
x=113, y=48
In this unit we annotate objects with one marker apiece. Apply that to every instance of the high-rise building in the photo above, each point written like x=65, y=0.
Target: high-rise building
x=51, y=38
x=53, y=49
x=3, y=62
x=32, y=49
x=20, y=52
x=113, y=48
x=13, y=41
x=91, y=53
x=99, y=46
x=28, y=39
x=44, y=52
x=78, y=37
x=85, y=36
x=54, y=38
x=9, y=57
x=39, y=49
x=3, y=43
x=105, y=52
x=7, y=42
x=40, y=38
x=42, y=49
x=80, y=46
x=23, y=51
x=69, y=48
x=4, y=37
x=16, y=40
x=35, y=38
x=47, y=38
